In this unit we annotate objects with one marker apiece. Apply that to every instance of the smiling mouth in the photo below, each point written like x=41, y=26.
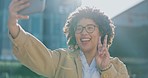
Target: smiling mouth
x=85, y=39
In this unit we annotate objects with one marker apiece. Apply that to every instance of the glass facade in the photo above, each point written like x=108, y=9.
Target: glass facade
x=46, y=26
x=5, y=47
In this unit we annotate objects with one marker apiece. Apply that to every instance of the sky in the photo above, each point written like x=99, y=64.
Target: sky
x=111, y=7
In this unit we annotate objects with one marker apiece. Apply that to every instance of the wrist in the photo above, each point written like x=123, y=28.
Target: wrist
x=106, y=68
x=13, y=27
x=12, y=21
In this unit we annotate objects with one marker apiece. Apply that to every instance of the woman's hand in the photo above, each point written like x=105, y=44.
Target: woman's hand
x=103, y=56
x=14, y=7
x=17, y=5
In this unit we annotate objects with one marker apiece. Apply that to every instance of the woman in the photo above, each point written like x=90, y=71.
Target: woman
x=89, y=35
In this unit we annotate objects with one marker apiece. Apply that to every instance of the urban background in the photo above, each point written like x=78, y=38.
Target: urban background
x=130, y=43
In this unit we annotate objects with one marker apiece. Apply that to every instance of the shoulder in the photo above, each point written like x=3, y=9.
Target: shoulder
x=66, y=52
x=116, y=60
x=118, y=64
x=63, y=51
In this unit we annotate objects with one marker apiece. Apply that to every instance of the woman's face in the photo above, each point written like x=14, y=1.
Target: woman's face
x=87, y=35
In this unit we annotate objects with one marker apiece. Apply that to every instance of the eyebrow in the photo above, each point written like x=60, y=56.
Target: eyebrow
x=86, y=25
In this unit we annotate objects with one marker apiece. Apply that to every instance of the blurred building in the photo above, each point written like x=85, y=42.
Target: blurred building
x=55, y=16
x=130, y=43
x=4, y=41
x=46, y=26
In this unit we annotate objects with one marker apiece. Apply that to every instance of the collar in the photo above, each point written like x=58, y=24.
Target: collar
x=84, y=62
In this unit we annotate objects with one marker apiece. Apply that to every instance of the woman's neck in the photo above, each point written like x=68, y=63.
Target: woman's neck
x=89, y=55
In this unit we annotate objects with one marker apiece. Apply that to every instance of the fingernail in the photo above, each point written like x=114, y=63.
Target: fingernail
x=106, y=36
x=99, y=37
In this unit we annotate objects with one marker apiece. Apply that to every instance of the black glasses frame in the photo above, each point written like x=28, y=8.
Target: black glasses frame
x=85, y=27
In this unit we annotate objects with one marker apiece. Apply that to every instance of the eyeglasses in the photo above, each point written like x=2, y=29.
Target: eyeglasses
x=89, y=28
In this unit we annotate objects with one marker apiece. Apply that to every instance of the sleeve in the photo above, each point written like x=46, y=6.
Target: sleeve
x=34, y=55
x=117, y=70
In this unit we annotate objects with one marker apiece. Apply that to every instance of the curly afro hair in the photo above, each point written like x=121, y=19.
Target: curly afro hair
x=105, y=25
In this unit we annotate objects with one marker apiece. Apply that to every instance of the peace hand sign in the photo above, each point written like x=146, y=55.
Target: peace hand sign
x=102, y=55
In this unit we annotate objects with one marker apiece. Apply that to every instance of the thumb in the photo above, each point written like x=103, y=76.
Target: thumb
x=22, y=17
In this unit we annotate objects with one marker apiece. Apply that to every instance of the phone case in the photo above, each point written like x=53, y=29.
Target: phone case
x=36, y=6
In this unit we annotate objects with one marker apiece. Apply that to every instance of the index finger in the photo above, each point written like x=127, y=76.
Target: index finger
x=99, y=44
x=105, y=41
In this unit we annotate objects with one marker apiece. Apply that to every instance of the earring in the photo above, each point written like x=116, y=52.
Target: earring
x=76, y=46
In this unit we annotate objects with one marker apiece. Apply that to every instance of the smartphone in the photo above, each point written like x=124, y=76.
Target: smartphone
x=36, y=6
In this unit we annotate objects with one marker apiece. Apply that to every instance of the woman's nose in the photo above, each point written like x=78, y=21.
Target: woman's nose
x=84, y=31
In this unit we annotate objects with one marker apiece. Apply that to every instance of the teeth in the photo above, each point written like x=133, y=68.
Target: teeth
x=85, y=39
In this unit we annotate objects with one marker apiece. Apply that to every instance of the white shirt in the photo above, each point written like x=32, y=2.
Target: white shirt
x=89, y=71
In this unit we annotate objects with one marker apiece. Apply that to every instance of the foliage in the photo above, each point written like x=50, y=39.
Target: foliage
x=13, y=69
